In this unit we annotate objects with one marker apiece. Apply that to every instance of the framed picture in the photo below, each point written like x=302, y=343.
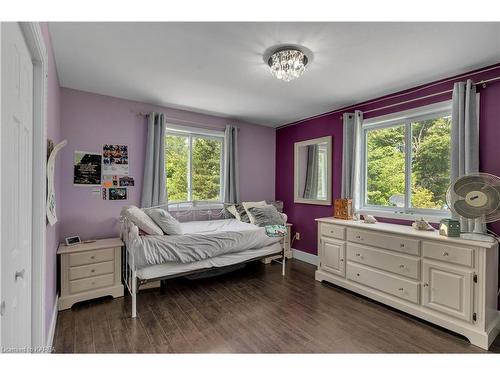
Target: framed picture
x=87, y=168
x=115, y=194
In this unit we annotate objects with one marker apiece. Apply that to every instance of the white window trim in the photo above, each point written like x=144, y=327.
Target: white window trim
x=190, y=132
x=401, y=118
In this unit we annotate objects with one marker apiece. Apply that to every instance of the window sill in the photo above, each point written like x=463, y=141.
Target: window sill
x=431, y=218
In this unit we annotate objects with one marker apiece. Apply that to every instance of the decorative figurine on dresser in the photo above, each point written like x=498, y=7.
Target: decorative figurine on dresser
x=89, y=270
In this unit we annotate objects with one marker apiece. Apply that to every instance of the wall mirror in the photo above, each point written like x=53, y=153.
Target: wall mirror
x=313, y=171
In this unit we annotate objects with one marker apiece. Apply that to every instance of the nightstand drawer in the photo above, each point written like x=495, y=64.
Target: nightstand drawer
x=90, y=257
x=91, y=270
x=91, y=283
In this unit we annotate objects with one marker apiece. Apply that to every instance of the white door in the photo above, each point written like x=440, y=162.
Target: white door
x=333, y=256
x=16, y=192
x=448, y=289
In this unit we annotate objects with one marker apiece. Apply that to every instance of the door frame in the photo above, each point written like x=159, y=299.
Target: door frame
x=32, y=33
x=34, y=39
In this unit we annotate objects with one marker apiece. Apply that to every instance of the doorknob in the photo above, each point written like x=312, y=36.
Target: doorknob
x=19, y=275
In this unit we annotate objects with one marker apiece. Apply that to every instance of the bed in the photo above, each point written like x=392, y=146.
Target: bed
x=209, y=242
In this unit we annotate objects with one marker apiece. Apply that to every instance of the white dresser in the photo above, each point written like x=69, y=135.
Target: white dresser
x=450, y=282
x=90, y=270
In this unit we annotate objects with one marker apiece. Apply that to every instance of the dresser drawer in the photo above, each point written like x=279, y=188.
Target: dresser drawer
x=332, y=230
x=393, y=285
x=463, y=256
x=91, y=283
x=91, y=270
x=90, y=257
x=385, y=260
x=384, y=241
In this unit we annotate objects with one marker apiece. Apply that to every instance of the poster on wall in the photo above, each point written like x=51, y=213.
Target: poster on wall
x=115, y=160
x=115, y=194
x=126, y=181
x=87, y=168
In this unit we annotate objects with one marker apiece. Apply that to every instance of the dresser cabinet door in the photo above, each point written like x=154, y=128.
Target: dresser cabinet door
x=333, y=256
x=448, y=290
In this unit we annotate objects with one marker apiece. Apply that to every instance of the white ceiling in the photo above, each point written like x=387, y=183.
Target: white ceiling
x=218, y=68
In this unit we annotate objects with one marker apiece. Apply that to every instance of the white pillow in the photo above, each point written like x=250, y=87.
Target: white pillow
x=248, y=205
x=165, y=221
x=143, y=221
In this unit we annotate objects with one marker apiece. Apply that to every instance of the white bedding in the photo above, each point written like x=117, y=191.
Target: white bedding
x=172, y=268
x=201, y=240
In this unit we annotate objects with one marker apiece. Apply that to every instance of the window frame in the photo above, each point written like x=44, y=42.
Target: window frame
x=404, y=118
x=190, y=133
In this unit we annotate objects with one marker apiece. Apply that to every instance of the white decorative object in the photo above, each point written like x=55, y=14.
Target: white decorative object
x=287, y=64
x=421, y=224
x=448, y=281
x=51, y=192
x=369, y=219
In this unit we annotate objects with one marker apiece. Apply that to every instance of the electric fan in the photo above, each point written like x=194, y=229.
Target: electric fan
x=475, y=196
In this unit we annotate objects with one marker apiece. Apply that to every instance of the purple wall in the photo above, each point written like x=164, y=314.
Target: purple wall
x=303, y=215
x=90, y=120
x=54, y=133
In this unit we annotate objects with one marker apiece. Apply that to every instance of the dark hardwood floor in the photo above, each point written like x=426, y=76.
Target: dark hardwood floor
x=253, y=310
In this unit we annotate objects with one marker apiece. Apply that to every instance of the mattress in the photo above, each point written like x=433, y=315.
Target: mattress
x=173, y=268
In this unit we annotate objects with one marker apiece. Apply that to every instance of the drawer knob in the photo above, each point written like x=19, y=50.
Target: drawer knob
x=401, y=245
x=401, y=289
x=342, y=260
x=401, y=266
x=92, y=257
x=358, y=254
x=445, y=254
x=357, y=274
x=92, y=270
x=426, y=285
x=358, y=237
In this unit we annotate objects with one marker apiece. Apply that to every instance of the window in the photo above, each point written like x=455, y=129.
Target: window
x=407, y=161
x=194, y=166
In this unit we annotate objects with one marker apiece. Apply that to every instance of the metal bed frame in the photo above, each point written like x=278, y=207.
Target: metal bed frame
x=129, y=234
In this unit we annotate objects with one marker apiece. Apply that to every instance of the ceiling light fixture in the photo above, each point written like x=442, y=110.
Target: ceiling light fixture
x=287, y=63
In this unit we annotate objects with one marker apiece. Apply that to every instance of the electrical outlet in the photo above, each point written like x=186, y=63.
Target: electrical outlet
x=297, y=236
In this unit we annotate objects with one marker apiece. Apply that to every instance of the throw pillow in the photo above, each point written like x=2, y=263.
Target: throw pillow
x=266, y=215
x=248, y=205
x=169, y=224
x=143, y=221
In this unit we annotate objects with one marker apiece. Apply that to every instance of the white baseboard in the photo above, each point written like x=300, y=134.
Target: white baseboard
x=305, y=257
x=53, y=322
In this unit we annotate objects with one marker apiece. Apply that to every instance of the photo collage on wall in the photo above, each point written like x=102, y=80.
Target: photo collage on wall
x=115, y=172
x=109, y=171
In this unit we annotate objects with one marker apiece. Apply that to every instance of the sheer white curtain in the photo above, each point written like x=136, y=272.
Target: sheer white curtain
x=465, y=140
x=351, y=157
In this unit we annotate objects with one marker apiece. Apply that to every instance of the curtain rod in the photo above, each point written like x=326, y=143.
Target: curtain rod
x=483, y=83
x=185, y=122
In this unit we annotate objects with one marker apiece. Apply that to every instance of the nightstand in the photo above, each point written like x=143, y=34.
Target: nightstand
x=90, y=270
x=287, y=244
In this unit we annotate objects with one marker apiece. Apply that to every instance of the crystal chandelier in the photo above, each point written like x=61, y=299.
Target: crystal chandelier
x=287, y=64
